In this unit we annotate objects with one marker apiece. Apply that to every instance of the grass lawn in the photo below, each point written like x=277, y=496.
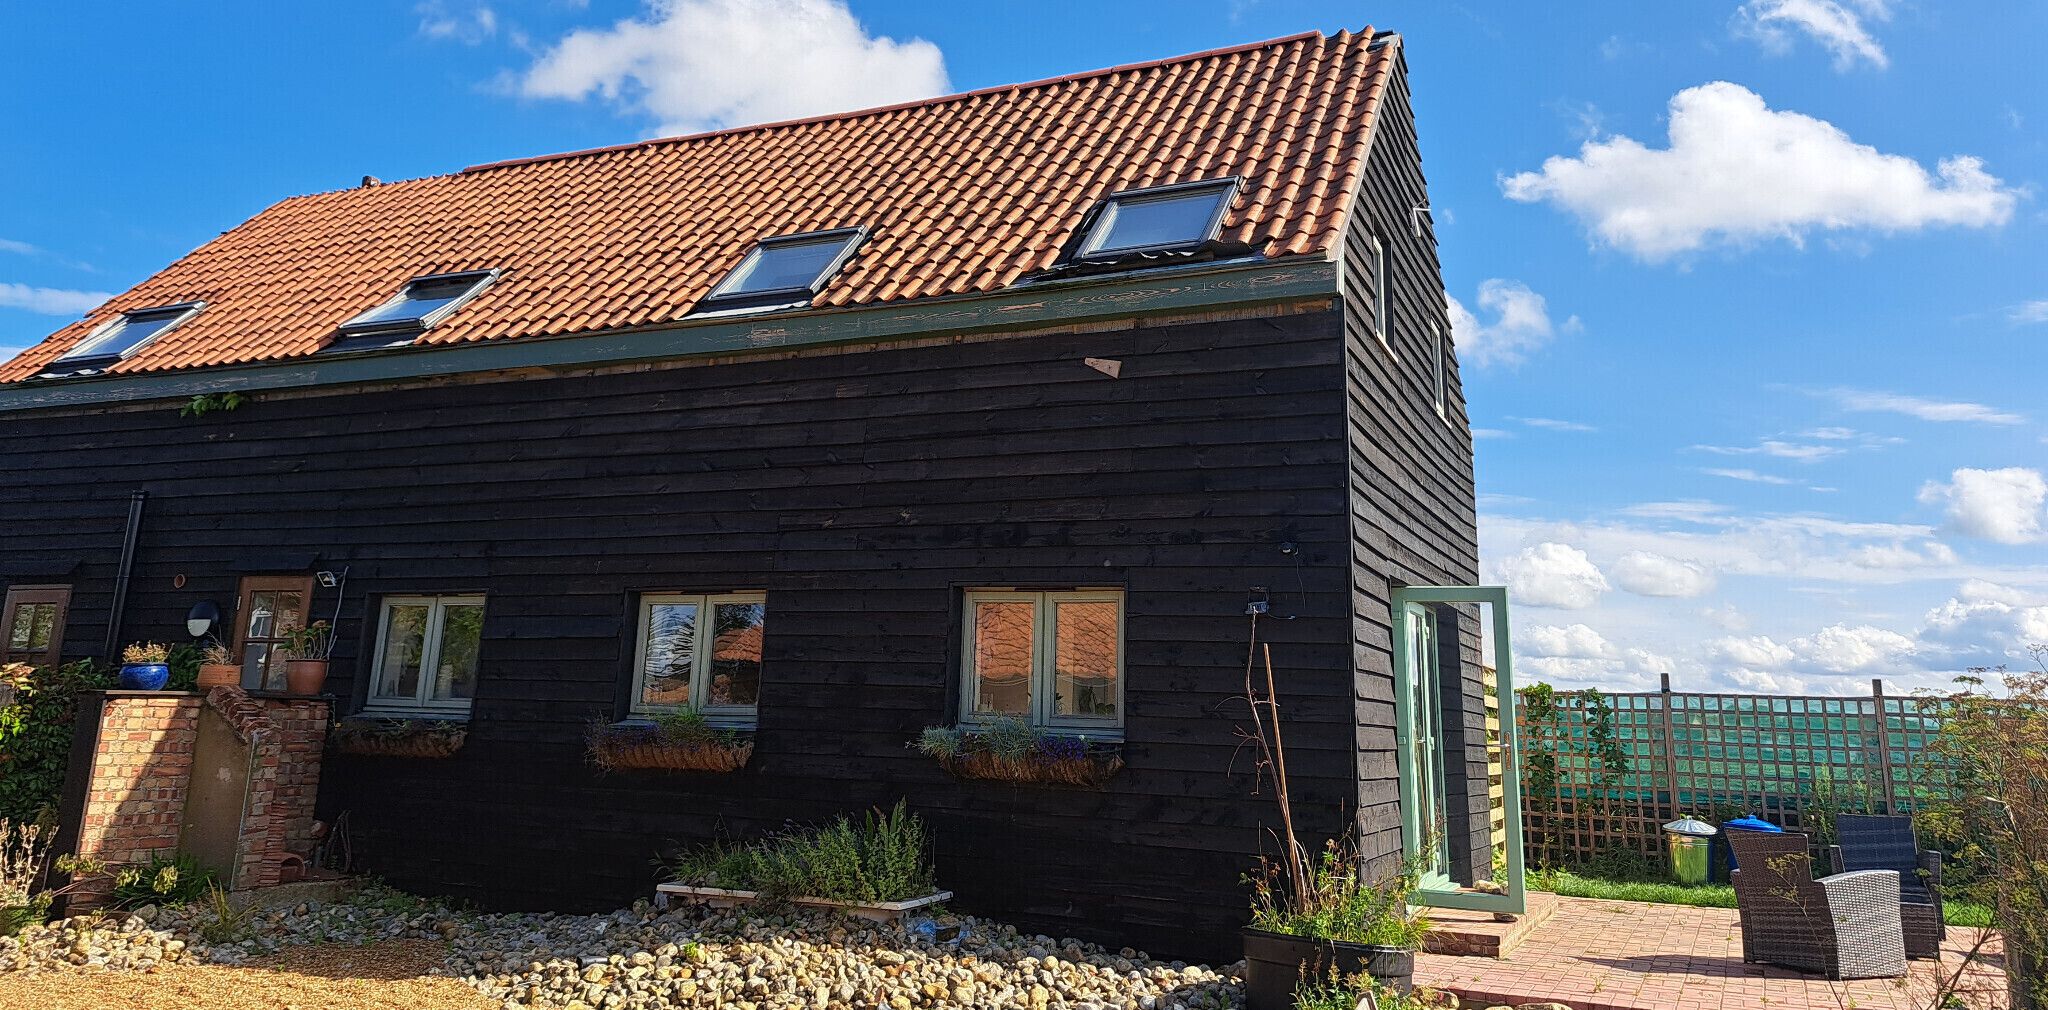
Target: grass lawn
x=1572, y=885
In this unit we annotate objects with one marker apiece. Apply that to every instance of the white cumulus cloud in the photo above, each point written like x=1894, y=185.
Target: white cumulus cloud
x=1575, y=641
x=1738, y=172
x=1837, y=26
x=1645, y=573
x=2003, y=505
x=1553, y=575
x=50, y=301
x=695, y=65
x=1520, y=323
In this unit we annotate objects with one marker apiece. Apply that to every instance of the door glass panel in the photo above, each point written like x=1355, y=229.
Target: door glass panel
x=272, y=613
x=736, y=630
x=1003, y=651
x=462, y=626
x=1085, y=659
x=1460, y=790
x=405, y=641
x=671, y=652
x=32, y=624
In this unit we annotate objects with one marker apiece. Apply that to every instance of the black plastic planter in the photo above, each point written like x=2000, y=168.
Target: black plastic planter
x=1275, y=962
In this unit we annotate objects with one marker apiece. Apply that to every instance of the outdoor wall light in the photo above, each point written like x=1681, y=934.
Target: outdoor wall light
x=205, y=614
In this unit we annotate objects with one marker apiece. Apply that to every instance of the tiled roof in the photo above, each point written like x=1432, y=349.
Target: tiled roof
x=965, y=193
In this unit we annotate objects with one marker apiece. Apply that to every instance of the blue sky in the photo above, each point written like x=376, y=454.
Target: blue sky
x=1752, y=292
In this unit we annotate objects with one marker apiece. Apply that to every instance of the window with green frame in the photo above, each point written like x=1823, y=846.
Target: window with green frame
x=1054, y=658
x=425, y=663
x=700, y=651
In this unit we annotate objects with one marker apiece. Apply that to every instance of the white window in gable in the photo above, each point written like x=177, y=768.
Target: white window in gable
x=122, y=336
x=1179, y=217
x=1053, y=659
x=1382, y=296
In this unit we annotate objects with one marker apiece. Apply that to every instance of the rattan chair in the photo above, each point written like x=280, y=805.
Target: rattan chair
x=1845, y=926
x=1886, y=842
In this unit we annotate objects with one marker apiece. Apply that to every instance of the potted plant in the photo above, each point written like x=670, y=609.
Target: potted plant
x=145, y=666
x=1314, y=914
x=413, y=738
x=305, y=658
x=217, y=667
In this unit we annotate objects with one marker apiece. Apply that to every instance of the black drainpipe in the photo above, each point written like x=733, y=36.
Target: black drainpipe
x=135, y=502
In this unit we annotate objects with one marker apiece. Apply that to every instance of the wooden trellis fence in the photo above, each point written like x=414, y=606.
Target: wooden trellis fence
x=1716, y=756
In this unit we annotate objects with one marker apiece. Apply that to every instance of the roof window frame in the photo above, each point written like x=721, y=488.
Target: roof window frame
x=72, y=363
x=1086, y=251
x=355, y=335
x=719, y=299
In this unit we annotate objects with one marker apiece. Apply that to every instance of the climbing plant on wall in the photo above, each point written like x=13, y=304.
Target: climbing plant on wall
x=1595, y=757
x=35, y=733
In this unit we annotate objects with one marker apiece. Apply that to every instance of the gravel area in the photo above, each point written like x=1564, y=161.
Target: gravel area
x=381, y=948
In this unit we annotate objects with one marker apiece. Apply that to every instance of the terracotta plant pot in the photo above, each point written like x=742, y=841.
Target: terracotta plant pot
x=304, y=676
x=212, y=675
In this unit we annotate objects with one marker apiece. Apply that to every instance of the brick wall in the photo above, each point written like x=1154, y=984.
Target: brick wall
x=135, y=799
x=142, y=767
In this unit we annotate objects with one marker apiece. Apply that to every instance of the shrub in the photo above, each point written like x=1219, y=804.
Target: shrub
x=939, y=742
x=1337, y=903
x=35, y=734
x=880, y=857
x=168, y=881
x=1007, y=737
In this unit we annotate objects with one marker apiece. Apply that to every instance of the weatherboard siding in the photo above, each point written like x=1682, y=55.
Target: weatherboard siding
x=862, y=491
x=1411, y=489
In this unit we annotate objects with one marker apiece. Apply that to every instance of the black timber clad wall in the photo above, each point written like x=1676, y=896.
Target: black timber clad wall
x=861, y=490
x=1412, y=504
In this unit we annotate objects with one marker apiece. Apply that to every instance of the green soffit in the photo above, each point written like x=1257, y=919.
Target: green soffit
x=1213, y=286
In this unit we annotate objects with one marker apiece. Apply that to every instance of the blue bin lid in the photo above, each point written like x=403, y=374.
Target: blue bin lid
x=1752, y=823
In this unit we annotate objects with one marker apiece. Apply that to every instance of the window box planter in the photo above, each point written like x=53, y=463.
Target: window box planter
x=877, y=911
x=1275, y=962
x=407, y=738
x=622, y=746
x=1007, y=750
x=1091, y=768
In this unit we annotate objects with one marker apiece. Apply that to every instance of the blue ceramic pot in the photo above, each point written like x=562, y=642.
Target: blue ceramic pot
x=144, y=676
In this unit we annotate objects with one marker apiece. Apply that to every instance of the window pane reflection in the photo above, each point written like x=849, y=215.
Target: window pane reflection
x=736, y=653
x=405, y=641
x=1003, y=650
x=1085, y=659
x=670, y=653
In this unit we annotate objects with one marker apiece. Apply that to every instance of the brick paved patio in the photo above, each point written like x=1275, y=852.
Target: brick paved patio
x=1620, y=955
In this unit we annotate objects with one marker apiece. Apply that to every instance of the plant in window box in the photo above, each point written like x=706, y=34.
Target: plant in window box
x=1008, y=749
x=217, y=667
x=409, y=738
x=681, y=740
x=145, y=666
x=305, y=664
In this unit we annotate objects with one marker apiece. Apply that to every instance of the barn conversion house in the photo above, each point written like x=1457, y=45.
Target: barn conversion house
x=1033, y=403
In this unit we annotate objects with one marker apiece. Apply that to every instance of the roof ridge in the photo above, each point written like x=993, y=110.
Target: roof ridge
x=919, y=103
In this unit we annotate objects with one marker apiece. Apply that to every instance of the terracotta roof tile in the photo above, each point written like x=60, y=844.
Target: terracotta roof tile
x=964, y=193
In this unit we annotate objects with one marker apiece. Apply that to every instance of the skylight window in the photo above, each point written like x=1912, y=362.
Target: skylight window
x=786, y=269
x=424, y=302
x=1161, y=219
x=123, y=335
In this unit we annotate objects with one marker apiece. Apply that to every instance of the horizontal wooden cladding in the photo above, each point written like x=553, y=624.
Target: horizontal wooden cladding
x=861, y=492
x=1410, y=488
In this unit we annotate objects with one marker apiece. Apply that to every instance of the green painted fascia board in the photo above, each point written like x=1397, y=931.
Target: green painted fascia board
x=1167, y=291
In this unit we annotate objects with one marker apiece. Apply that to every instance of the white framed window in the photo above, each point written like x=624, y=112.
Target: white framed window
x=1382, y=296
x=1054, y=659
x=426, y=658
x=701, y=651
x=1440, y=354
